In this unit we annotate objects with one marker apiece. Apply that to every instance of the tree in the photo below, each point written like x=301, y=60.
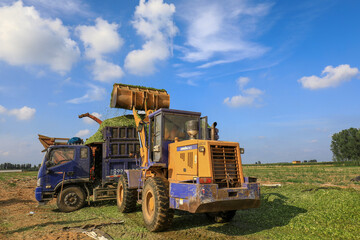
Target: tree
x=345, y=145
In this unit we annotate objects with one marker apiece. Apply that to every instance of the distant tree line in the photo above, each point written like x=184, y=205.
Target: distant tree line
x=25, y=166
x=345, y=146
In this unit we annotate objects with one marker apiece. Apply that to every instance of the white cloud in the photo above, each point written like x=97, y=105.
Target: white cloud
x=331, y=77
x=314, y=141
x=28, y=39
x=60, y=8
x=99, y=40
x=94, y=93
x=153, y=20
x=189, y=74
x=2, y=109
x=219, y=31
x=82, y=133
x=239, y=101
x=106, y=71
x=253, y=91
x=248, y=97
x=89, y=120
x=24, y=113
x=242, y=81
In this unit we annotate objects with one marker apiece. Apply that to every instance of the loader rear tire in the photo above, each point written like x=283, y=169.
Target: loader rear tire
x=155, y=204
x=125, y=198
x=221, y=217
x=71, y=199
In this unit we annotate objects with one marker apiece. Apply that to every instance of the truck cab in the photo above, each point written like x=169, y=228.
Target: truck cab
x=62, y=165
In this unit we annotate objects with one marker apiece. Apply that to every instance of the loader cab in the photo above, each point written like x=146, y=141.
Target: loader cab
x=166, y=125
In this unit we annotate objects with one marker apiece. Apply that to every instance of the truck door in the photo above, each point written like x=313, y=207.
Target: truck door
x=60, y=160
x=82, y=163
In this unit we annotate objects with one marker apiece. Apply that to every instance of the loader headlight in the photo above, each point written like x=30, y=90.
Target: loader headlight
x=201, y=149
x=38, y=183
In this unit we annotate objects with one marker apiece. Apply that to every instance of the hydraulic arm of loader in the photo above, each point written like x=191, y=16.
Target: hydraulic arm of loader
x=137, y=98
x=142, y=135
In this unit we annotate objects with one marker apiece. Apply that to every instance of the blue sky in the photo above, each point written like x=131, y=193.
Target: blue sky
x=279, y=77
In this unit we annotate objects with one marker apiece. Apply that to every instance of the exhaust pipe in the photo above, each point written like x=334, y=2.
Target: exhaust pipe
x=213, y=132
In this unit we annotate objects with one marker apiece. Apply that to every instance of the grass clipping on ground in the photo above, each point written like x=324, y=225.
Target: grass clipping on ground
x=121, y=121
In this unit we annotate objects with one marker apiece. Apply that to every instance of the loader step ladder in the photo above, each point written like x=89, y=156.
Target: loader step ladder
x=100, y=194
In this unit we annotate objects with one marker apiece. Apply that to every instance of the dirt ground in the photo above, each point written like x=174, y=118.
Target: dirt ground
x=17, y=201
x=21, y=218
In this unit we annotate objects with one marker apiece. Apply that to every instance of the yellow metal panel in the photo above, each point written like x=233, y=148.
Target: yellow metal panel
x=204, y=159
x=196, y=163
x=183, y=163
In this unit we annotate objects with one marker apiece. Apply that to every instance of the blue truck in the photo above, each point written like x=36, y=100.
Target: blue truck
x=72, y=173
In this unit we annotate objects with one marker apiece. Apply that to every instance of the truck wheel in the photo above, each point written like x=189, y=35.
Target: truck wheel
x=71, y=199
x=155, y=204
x=126, y=198
x=221, y=217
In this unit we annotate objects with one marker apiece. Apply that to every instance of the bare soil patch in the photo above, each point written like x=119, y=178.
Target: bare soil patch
x=17, y=201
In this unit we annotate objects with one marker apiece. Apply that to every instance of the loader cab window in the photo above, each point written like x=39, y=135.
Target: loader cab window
x=164, y=128
x=175, y=126
x=60, y=156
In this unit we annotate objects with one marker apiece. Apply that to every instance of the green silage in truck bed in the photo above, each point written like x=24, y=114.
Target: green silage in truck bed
x=121, y=121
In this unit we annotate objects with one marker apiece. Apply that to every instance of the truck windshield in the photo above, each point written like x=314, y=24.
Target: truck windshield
x=61, y=156
x=175, y=126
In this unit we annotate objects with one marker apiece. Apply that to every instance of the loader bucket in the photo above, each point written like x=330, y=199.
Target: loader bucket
x=142, y=98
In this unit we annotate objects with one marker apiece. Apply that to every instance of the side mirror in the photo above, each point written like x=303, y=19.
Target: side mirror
x=48, y=164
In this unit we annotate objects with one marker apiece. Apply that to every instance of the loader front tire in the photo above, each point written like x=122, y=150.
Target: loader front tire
x=221, y=217
x=70, y=199
x=155, y=204
x=125, y=198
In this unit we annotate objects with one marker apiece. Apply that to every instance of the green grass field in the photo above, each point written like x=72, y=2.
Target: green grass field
x=307, y=173
x=314, y=202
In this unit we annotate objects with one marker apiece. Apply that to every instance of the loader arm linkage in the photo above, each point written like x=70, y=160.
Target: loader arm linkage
x=142, y=135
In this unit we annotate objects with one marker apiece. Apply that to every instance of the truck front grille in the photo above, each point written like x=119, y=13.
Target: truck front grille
x=225, y=166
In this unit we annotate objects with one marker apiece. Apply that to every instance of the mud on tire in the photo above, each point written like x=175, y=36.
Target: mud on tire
x=71, y=199
x=125, y=198
x=221, y=217
x=155, y=204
